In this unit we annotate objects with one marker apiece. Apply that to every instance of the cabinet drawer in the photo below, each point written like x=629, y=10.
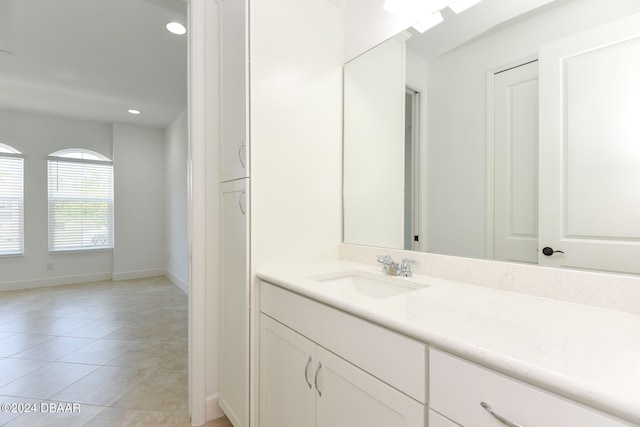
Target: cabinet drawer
x=393, y=358
x=457, y=387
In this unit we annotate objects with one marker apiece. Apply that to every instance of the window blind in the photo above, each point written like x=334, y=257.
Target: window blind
x=80, y=205
x=11, y=205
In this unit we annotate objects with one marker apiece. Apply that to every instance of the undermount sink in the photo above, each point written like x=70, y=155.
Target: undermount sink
x=368, y=284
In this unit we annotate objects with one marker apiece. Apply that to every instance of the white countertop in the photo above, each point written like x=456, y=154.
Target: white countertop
x=588, y=354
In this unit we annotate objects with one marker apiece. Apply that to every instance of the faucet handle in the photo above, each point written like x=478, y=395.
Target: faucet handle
x=405, y=267
x=383, y=258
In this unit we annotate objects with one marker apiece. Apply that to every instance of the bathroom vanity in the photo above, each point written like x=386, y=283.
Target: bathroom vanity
x=342, y=344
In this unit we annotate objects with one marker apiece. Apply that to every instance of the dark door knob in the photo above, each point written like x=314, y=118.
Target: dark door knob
x=549, y=251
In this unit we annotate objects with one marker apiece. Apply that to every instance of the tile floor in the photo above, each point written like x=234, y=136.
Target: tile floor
x=95, y=354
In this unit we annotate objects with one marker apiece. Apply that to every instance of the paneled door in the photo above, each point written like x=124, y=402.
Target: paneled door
x=287, y=367
x=234, y=297
x=589, y=202
x=515, y=209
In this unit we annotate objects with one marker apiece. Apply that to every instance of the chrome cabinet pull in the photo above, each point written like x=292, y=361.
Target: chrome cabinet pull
x=315, y=379
x=240, y=152
x=306, y=368
x=242, y=193
x=503, y=420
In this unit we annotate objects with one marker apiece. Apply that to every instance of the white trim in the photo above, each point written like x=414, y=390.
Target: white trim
x=202, y=211
x=138, y=274
x=72, y=160
x=54, y=281
x=13, y=155
x=489, y=143
x=213, y=410
x=184, y=286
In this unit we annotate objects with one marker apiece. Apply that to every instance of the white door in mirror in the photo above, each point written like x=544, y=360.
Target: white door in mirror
x=515, y=229
x=589, y=152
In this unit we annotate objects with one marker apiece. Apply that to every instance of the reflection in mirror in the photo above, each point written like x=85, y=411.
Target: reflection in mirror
x=500, y=133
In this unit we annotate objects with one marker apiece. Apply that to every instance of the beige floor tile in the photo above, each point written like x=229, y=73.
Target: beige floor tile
x=43, y=325
x=96, y=329
x=12, y=369
x=101, y=351
x=117, y=417
x=101, y=387
x=47, y=380
x=161, y=391
x=53, y=349
x=55, y=416
x=15, y=411
x=20, y=342
x=4, y=335
x=183, y=420
x=123, y=353
x=155, y=353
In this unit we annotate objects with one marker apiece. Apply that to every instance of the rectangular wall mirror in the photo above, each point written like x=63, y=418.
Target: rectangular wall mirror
x=507, y=132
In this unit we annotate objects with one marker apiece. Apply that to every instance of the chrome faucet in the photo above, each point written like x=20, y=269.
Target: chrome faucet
x=392, y=268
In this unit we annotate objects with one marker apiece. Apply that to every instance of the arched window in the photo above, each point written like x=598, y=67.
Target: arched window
x=80, y=200
x=11, y=201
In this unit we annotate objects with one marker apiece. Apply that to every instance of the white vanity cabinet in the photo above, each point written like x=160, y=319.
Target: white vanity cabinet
x=458, y=387
x=322, y=367
x=234, y=153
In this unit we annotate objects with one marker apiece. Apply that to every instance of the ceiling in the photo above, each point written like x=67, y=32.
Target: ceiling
x=94, y=59
x=475, y=22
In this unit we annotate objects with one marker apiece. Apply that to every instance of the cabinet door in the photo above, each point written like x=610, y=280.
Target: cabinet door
x=234, y=302
x=437, y=420
x=346, y=396
x=287, y=365
x=233, y=58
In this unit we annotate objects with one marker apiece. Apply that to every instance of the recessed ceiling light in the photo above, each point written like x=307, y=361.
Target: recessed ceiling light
x=136, y=112
x=460, y=6
x=176, y=28
x=429, y=22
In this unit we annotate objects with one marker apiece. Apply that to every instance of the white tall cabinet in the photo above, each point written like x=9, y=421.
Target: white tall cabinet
x=234, y=297
x=295, y=139
x=233, y=89
x=234, y=204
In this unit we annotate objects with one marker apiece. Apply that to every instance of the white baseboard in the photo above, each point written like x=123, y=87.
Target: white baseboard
x=212, y=409
x=54, y=281
x=177, y=281
x=139, y=274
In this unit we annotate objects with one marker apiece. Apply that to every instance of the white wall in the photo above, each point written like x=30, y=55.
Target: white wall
x=176, y=227
x=458, y=116
x=374, y=142
x=139, y=201
x=38, y=136
x=296, y=130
